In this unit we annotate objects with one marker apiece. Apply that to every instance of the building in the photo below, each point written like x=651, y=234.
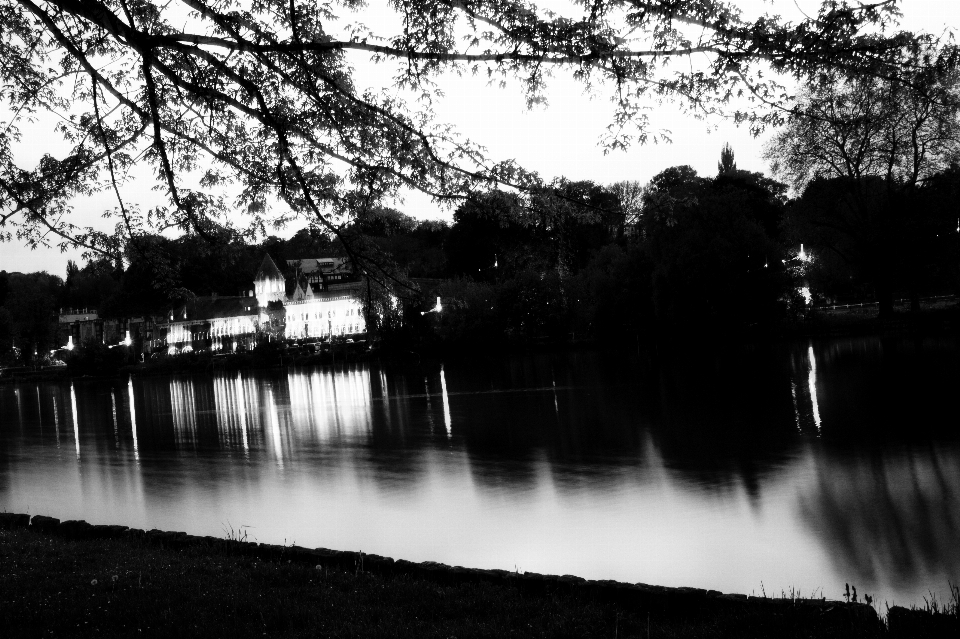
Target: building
x=320, y=302
x=78, y=325
x=211, y=323
x=85, y=326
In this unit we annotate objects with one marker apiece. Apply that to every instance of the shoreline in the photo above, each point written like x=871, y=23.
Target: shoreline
x=836, y=324
x=672, y=608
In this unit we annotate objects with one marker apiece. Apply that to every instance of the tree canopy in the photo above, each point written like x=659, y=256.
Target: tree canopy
x=241, y=105
x=861, y=150
x=902, y=130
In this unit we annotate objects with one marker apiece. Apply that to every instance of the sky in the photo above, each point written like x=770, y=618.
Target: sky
x=561, y=139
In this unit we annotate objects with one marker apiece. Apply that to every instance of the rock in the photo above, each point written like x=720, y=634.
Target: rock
x=166, y=539
x=75, y=529
x=42, y=523
x=108, y=532
x=378, y=564
x=9, y=521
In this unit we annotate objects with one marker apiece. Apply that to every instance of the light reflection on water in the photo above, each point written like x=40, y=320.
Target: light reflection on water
x=800, y=468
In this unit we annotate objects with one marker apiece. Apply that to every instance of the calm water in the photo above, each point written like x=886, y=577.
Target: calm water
x=745, y=470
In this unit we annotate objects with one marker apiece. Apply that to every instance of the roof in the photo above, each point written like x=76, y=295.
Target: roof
x=329, y=264
x=268, y=270
x=207, y=308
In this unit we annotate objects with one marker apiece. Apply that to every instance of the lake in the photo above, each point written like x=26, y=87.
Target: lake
x=779, y=469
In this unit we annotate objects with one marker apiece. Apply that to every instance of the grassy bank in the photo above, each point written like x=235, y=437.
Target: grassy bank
x=76, y=580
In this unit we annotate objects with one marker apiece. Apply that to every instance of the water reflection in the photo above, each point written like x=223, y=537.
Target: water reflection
x=802, y=467
x=889, y=517
x=334, y=407
x=133, y=419
x=446, y=403
x=232, y=410
x=812, y=385
x=803, y=392
x=76, y=419
x=184, y=411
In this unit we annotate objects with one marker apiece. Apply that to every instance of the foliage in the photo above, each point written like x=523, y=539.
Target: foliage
x=492, y=228
x=470, y=313
x=247, y=105
x=415, y=248
x=384, y=312
x=95, y=286
x=874, y=234
x=612, y=295
x=533, y=305
x=28, y=313
x=578, y=218
x=628, y=195
x=727, y=164
x=902, y=130
x=861, y=149
x=714, y=249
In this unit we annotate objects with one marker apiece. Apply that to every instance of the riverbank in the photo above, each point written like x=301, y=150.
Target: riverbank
x=937, y=317
x=941, y=317
x=74, y=579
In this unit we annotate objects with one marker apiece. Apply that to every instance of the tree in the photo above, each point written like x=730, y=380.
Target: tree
x=385, y=222
x=727, y=165
x=29, y=315
x=859, y=148
x=714, y=249
x=574, y=219
x=310, y=242
x=241, y=105
x=94, y=286
x=492, y=236
x=629, y=199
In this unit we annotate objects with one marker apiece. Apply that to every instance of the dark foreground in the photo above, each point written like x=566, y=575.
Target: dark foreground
x=73, y=579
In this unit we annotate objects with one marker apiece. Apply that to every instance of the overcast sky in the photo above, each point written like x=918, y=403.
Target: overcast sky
x=560, y=140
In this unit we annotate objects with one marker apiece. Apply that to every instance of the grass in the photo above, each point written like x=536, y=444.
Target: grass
x=52, y=586
x=935, y=619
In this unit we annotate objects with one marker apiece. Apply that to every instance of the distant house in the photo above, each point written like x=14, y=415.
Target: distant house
x=320, y=301
x=324, y=301
x=212, y=323
x=323, y=270
x=76, y=326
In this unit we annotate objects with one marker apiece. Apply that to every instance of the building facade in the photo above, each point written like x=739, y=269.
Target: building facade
x=320, y=302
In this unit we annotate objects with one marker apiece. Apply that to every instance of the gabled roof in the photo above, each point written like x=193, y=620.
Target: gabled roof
x=207, y=308
x=298, y=293
x=268, y=270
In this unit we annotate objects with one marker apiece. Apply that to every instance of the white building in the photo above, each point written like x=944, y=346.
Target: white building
x=324, y=303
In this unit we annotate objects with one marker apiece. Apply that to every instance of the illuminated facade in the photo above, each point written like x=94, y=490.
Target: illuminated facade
x=324, y=314
x=323, y=304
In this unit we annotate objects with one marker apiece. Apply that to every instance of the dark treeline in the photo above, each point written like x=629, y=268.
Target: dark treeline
x=688, y=254
x=684, y=254
x=581, y=260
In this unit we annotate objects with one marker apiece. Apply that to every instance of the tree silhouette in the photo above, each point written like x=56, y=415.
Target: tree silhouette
x=727, y=165
x=859, y=149
x=257, y=100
